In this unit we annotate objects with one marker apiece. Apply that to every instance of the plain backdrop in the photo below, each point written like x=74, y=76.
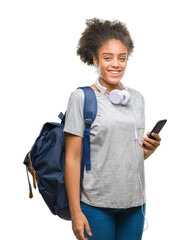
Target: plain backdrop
x=39, y=69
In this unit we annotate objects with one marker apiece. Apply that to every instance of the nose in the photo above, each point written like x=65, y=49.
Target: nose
x=115, y=63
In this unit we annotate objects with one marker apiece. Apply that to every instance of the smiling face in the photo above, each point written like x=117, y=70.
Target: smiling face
x=112, y=62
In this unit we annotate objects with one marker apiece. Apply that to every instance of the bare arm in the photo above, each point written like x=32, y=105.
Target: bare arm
x=73, y=148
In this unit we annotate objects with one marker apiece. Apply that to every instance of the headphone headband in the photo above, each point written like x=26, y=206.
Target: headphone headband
x=116, y=96
x=104, y=89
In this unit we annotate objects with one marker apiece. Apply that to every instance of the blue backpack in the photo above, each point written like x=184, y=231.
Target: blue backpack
x=46, y=159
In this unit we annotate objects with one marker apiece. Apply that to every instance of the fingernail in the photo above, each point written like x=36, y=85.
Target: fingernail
x=90, y=233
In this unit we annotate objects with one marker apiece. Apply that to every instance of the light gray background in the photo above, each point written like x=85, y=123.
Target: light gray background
x=38, y=70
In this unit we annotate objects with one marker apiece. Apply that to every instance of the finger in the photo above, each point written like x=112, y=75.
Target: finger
x=80, y=235
x=87, y=227
x=141, y=145
x=156, y=136
x=152, y=141
x=148, y=133
x=149, y=146
x=144, y=146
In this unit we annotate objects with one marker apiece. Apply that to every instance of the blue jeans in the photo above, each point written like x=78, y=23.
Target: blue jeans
x=114, y=223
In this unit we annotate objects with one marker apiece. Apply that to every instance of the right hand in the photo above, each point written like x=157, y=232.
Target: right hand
x=79, y=221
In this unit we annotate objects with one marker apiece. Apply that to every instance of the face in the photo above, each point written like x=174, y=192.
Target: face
x=112, y=61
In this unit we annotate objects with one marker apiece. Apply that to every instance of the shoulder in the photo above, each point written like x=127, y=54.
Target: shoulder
x=137, y=97
x=77, y=94
x=135, y=92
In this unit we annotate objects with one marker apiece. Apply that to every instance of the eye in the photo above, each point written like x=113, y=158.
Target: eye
x=107, y=58
x=122, y=59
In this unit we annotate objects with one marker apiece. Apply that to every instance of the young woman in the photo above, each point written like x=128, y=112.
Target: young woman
x=113, y=200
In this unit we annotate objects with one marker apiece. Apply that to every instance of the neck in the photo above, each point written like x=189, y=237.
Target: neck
x=109, y=86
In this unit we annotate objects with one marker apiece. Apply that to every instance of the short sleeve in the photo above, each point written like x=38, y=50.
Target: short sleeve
x=143, y=106
x=143, y=102
x=74, y=119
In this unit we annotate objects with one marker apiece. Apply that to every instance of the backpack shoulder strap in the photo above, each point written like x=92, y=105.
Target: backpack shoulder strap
x=90, y=105
x=90, y=112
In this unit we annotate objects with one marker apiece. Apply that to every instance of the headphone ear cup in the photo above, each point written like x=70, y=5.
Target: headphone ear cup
x=115, y=96
x=126, y=95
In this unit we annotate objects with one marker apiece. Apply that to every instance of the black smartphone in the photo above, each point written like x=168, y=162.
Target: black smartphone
x=157, y=128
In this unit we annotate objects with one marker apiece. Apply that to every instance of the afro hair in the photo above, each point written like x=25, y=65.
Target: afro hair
x=98, y=32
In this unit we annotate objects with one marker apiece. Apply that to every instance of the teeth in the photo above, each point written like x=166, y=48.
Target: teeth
x=114, y=72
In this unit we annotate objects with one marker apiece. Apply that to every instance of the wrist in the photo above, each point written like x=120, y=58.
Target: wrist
x=147, y=154
x=75, y=212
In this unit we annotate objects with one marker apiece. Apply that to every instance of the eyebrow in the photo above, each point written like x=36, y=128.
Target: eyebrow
x=112, y=53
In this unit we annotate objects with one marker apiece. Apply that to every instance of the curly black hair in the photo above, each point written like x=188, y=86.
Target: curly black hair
x=98, y=32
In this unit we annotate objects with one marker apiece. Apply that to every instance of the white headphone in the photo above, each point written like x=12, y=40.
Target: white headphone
x=116, y=96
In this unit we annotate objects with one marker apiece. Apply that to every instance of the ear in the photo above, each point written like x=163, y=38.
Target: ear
x=95, y=61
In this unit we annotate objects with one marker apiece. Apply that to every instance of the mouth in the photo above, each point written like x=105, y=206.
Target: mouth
x=114, y=73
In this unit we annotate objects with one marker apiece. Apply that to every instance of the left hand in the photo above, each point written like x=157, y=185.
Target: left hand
x=150, y=144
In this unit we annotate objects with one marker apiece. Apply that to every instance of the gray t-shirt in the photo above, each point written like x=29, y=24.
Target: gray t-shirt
x=113, y=180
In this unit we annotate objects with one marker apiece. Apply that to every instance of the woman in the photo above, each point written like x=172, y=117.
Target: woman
x=113, y=200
